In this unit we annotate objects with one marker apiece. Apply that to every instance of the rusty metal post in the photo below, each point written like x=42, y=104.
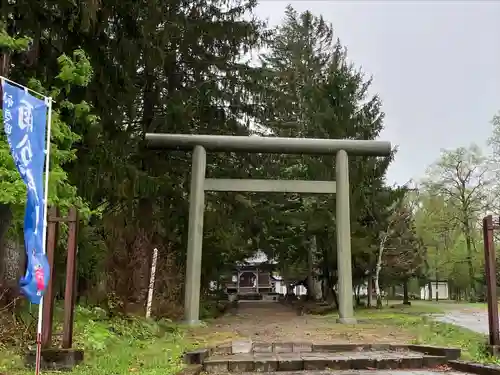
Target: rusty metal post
x=491, y=282
x=69, y=292
x=48, y=306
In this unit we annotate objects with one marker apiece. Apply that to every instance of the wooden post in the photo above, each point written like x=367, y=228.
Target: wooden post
x=491, y=277
x=48, y=305
x=151, y=282
x=69, y=292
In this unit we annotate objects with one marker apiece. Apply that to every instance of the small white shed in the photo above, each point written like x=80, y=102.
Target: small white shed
x=442, y=289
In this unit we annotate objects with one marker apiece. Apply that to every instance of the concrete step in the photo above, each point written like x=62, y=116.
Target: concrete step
x=367, y=372
x=249, y=297
x=298, y=361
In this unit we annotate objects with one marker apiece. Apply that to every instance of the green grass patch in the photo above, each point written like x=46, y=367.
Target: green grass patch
x=416, y=307
x=117, y=346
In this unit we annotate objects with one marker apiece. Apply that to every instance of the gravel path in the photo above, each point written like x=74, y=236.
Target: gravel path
x=276, y=322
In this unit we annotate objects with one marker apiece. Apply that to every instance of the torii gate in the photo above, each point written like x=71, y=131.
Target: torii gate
x=255, y=144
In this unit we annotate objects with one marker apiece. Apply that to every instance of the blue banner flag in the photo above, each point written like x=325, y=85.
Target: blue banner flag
x=25, y=121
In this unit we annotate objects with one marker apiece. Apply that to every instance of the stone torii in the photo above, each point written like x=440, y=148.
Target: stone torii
x=199, y=144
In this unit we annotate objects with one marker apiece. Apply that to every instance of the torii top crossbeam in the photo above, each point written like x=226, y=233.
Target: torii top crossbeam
x=279, y=145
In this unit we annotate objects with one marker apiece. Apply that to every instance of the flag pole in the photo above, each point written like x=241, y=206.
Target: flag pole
x=48, y=101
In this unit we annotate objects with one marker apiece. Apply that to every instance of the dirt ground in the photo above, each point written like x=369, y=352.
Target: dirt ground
x=277, y=322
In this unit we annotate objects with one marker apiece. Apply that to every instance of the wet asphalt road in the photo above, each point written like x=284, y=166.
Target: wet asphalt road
x=476, y=321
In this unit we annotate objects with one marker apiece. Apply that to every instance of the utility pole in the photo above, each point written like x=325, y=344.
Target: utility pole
x=491, y=281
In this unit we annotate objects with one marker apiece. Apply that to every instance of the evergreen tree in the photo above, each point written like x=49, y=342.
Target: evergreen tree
x=160, y=66
x=312, y=90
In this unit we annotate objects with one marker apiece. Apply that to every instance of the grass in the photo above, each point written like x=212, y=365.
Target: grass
x=118, y=346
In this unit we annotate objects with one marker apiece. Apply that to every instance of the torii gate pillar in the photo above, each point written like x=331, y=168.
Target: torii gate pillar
x=343, y=223
x=195, y=236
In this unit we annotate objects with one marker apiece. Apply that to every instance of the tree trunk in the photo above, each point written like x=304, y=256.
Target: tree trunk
x=370, y=291
x=358, y=295
x=14, y=260
x=324, y=289
x=335, y=298
x=5, y=221
x=429, y=286
x=468, y=243
x=310, y=268
x=406, y=299
x=317, y=295
x=329, y=295
x=327, y=287
x=378, y=268
x=4, y=64
x=11, y=261
x=317, y=289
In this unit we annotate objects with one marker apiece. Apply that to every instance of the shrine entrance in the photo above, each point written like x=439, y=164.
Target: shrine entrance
x=199, y=144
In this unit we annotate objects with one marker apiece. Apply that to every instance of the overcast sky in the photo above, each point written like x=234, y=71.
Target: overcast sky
x=436, y=66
